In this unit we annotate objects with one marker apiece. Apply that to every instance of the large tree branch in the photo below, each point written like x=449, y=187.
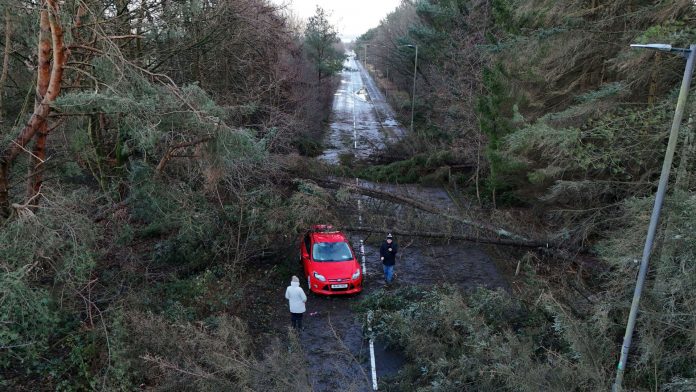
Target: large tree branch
x=453, y=236
x=170, y=152
x=400, y=199
x=503, y=236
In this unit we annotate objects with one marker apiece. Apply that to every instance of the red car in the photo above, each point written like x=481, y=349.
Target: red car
x=329, y=262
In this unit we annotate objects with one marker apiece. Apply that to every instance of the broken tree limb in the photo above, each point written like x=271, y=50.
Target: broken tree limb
x=400, y=199
x=575, y=257
x=499, y=235
x=170, y=152
x=452, y=236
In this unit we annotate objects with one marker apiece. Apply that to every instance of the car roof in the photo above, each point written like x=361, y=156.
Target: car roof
x=334, y=236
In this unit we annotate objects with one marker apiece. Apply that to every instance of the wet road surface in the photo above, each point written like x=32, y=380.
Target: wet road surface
x=386, y=115
x=335, y=347
x=361, y=120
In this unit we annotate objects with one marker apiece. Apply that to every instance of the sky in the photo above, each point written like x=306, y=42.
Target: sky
x=351, y=17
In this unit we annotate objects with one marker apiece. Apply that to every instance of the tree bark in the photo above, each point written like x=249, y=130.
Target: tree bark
x=43, y=77
x=49, y=79
x=42, y=82
x=5, y=58
x=54, y=85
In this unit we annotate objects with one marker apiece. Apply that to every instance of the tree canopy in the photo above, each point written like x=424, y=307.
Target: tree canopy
x=321, y=40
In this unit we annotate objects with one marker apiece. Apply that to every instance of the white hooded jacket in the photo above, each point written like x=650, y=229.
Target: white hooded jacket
x=296, y=297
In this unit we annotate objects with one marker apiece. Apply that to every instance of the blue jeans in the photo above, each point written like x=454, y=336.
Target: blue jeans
x=388, y=273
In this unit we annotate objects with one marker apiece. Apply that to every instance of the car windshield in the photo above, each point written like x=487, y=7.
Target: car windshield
x=331, y=251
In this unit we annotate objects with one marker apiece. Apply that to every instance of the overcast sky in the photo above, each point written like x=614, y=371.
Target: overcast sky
x=351, y=17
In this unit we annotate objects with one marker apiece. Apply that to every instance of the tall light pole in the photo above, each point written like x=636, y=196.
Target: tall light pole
x=365, y=51
x=413, y=96
x=690, y=54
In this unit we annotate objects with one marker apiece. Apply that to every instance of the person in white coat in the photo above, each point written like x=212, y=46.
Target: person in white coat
x=296, y=299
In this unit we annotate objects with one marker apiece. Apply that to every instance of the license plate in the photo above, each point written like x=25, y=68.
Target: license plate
x=339, y=286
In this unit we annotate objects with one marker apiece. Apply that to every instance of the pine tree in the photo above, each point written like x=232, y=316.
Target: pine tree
x=320, y=40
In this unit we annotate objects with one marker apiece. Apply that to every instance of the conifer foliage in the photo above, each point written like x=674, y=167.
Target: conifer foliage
x=547, y=108
x=321, y=39
x=144, y=149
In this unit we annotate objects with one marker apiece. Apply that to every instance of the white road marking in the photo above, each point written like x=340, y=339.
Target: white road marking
x=373, y=363
x=359, y=215
x=362, y=252
x=372, y=351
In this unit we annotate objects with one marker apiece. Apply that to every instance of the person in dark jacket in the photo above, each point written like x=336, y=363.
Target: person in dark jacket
x=387, y=254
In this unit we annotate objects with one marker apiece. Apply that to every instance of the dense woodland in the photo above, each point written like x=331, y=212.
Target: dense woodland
x=541, y=108
x=156, y=154
x=146, y=155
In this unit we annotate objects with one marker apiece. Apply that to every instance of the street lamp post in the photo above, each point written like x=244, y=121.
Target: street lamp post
x=413, y=96
x=659, y=198
x=415, y=70
x=365, y=52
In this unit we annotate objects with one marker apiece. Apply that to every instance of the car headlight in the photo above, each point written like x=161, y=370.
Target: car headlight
x=356, y=275
x=320, y=277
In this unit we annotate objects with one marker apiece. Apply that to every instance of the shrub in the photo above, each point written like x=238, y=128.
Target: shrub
x=46, y=262
x=183, y=356
x=485, y=340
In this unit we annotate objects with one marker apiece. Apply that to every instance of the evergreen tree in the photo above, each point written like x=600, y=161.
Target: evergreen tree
x=320, y=44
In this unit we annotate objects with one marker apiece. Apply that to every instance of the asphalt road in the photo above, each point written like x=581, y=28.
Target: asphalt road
x=359, y=108
x=333, y=339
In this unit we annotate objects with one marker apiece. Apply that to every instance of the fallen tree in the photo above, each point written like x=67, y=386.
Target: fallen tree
x=499, y=236
x=580, y=256
x=452, y=236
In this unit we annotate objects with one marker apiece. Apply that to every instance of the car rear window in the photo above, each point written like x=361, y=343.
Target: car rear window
x=331, y=251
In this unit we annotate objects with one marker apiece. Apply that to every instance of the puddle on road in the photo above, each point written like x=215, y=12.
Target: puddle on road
x=390, y=122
